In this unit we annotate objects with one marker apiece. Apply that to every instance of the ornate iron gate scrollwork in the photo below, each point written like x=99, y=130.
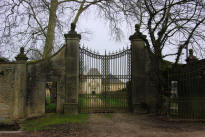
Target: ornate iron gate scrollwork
x=104, y=81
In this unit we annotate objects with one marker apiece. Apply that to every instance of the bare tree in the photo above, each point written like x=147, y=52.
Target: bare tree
x=36, y=24
x=165, y=22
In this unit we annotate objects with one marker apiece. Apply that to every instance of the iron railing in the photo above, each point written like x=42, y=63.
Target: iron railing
x=187, y=88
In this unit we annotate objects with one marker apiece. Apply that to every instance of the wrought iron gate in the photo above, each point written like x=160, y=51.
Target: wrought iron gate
x=104, y=81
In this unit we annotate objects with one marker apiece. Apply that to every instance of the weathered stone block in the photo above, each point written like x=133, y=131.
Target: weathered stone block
x=70, y=108
x=6, y=90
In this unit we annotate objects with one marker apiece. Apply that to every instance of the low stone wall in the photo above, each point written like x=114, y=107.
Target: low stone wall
x=22, y=86
x=7, y=79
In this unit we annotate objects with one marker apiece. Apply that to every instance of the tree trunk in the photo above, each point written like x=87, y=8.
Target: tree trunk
x=50, y=37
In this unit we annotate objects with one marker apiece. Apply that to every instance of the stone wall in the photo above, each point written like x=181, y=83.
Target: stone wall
x=51, y=70
x=7, y=79
x=23, y=84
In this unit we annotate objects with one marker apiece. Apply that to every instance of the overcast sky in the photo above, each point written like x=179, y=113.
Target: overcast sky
x=100, y=38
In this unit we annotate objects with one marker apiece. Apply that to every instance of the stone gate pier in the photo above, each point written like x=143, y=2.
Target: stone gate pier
x=72, y=71
x=144, y=93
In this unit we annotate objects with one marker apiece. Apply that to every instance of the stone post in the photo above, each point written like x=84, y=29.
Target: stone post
x=138, y=57
x=19, y=96
x=71, y=71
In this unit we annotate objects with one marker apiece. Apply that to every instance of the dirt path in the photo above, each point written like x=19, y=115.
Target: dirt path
x=120, y=125
x=128, y=125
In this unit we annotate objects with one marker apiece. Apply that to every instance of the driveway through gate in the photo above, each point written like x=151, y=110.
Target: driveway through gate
x=104, y=81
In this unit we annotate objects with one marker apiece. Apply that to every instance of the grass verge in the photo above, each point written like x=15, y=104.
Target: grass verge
x=117, y=101
x=50, y=108
x=108, y=115
x=52, y=119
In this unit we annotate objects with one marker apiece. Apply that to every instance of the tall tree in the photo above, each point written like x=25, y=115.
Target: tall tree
x=37, y=23
x=50, y=36
x=166, y=22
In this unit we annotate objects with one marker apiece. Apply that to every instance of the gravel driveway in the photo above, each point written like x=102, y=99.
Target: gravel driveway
x=120, y=125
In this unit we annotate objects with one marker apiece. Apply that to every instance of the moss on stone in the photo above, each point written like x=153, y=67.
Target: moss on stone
x=2, y=59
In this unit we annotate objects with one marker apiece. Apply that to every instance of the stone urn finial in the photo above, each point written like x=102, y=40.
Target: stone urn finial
x=137, y=34
x=72, y=33
x=191, y=52
x=22, y=50
x=21, y=55
x=191, y=57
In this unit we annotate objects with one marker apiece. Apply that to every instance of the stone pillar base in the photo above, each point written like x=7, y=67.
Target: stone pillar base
x=138, y=108
x=70, y=108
